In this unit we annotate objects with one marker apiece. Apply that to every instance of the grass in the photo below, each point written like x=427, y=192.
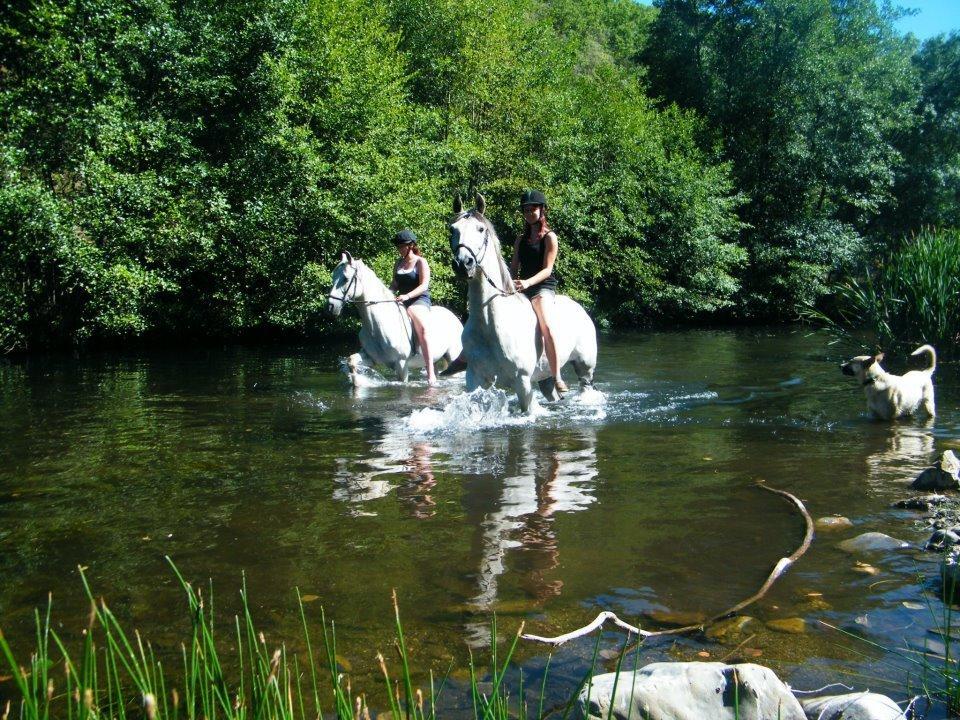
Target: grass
x=907, y=298
x=118, y=675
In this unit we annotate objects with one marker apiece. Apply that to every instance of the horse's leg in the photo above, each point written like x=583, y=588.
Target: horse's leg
x=548, y=386
x=584, y=373
x=524, y=390
x=402, y=370
x=473, y=379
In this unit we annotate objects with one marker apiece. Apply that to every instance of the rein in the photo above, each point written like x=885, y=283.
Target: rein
x=349, y=288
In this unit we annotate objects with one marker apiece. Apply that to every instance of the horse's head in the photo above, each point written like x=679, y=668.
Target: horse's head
x=346, y=284
x=469, y=237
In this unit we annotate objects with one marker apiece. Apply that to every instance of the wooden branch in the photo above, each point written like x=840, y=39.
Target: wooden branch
x=587, y=629
x=778, y=570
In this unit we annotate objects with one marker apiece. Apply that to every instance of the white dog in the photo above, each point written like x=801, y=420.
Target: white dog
x=891, y=396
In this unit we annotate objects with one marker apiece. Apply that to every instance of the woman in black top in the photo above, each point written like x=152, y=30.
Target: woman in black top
x=411, y=282
x=534, y=253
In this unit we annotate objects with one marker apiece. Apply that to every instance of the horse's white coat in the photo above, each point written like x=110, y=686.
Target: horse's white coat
x=386, y=336
x=501, y=339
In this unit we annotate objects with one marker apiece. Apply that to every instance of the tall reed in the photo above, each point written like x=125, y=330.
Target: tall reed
x=118, y=675
x=906, y=298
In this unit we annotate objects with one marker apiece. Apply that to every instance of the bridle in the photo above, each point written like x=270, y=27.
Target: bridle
x=348, y=290
x=483, y=253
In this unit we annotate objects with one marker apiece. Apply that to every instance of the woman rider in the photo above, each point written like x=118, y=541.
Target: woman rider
x=411, y=280
x=534, y=253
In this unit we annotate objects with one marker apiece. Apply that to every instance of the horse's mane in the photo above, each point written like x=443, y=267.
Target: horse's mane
x=506, y=281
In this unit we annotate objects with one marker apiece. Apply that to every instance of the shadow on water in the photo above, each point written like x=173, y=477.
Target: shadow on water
x=638, y=499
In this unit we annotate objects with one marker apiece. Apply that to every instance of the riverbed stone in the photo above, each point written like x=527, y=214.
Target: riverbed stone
x=865, y=569
x=833, y=522
x=852, y=706
x=950, y=573
x=793, y=626
x=730, y=628
x=872, y=542
x=944, y=474
x=943, y=539
x=921, y=502
x=690, y=691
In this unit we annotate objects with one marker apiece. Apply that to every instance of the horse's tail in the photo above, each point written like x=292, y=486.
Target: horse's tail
x=933, y=357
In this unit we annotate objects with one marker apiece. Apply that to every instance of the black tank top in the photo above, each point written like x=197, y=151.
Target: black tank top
x=532, y=260
x=407, y=280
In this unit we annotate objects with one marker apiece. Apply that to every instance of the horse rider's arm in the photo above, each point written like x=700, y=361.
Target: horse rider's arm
x=424, y=281
x=549, y=257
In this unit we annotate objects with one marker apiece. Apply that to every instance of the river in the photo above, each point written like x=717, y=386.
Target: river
x=639, y=498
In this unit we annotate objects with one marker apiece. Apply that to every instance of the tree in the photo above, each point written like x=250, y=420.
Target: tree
x=806, y=97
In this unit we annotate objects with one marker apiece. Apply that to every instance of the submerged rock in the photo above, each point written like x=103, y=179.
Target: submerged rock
x=690, y=691
x=865, y=569
x=730, y=628
x=872, y=542
x=950, y=574
x=943, y=539
x=833, y=522
x=852, y=706
x=793, y=626
x=944, y=474
x=921, y=502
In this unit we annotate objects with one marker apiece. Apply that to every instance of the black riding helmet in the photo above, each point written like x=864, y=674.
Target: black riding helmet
x=404, y=237
x=533, y=197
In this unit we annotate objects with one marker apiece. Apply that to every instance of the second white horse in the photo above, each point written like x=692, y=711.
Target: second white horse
x=501, y=340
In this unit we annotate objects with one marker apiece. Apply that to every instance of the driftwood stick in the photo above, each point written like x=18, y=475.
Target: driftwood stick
x=778, y=570
x=587, y=629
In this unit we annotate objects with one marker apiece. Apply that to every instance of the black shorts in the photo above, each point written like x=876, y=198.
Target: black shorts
x=540, y=289
x=418, y=300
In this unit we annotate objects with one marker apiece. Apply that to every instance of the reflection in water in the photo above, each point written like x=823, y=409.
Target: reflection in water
x=416, y=490
x=907, y=449
x=544, y=481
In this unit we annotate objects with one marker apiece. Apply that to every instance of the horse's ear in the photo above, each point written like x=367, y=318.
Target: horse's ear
x=457, y=204
x=347, y=258
x=481, y=203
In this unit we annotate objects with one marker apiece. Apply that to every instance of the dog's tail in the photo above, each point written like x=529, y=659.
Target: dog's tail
x=933, y=356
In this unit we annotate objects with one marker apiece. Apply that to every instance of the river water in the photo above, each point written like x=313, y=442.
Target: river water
x=638, y=498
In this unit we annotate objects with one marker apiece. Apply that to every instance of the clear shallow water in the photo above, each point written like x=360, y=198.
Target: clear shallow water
x=638, y=499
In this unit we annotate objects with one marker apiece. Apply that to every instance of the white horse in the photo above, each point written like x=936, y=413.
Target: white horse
x=386, y=336
x=502, y=340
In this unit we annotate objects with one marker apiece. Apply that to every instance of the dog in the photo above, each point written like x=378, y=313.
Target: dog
x=892, y=396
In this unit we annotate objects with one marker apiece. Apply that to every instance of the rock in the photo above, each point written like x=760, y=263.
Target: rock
x=852, y=706
x=678, y=618
x=950, y=574
x=690, y=691
x=833, y=522
x=921, y=502
x=871, y=542
x=943, y=539
x=944, y=474
x=794, y=626
x=729, y=628
x=865, y=569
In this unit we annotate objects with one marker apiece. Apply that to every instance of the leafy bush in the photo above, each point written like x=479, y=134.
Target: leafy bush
x=909, y=297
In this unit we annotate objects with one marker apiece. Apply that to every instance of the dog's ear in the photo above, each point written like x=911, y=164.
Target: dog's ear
x=878, y=357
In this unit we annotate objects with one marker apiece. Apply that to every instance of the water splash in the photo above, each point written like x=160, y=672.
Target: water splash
x=467, y=412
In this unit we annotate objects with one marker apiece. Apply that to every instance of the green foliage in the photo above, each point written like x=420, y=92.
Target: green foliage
x=909, y=297
x=198, y=167
x=927, y=187
x=807, y=96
